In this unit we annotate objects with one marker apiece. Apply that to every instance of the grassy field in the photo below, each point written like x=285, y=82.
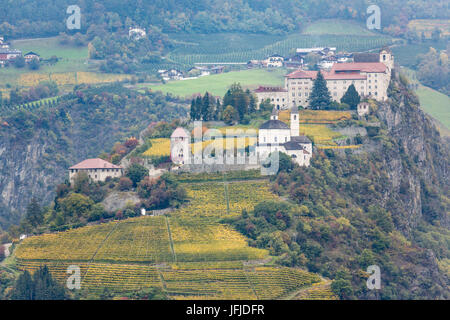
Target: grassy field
x=436, y=104
x=71, y=58
x=433, y=102
x=335, y=26
x=218, y=84
x=73, y=66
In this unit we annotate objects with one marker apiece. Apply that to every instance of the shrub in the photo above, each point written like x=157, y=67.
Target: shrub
x=125, y=184
x=136, y=173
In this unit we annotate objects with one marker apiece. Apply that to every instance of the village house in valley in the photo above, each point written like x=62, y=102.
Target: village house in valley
x=97, y=169
x=30, y=56
x=369, y=73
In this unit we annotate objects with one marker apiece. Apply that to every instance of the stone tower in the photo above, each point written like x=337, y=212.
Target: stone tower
x=180, y=146
x=387, y=58
x=295, y=127
x=274, y=115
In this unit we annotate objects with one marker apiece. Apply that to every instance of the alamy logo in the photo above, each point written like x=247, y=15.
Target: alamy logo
x=374, y=20
x=236, y=147
x=374, y=280
x=74, y=20
x=74, y=280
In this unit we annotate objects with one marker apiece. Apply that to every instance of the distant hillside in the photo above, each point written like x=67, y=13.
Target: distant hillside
x=25, y=18
x=38, y=146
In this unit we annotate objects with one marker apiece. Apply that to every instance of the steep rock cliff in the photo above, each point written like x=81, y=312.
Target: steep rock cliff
x=37, y=147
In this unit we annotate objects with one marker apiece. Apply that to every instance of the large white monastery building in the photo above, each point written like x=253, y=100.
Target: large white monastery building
x=275, y=135
x=370, y=73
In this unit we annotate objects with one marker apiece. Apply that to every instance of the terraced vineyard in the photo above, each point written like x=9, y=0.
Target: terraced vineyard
x=197, y=240
x=221, y=51
x=216, y=200
x=189, y=254
x=203, y=282
x=316, y=116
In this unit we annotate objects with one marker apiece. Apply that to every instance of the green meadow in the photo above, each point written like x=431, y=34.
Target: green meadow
x=336, y=26
x=436, y=104
x=218, y=84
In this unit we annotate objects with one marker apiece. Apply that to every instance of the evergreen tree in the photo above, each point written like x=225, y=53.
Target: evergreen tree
x=252, y=102
x=228, y=99
x=351, y=97
x=34, y=214
x=219, y=110
x=41, y=286
x=207, y=109
x=198, y=108
x=23, y=288
x=242, y=102
x=45, y=287
x=193, y=112
x=320, y=96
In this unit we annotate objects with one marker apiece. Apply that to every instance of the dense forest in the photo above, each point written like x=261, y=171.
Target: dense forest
x=24, y=18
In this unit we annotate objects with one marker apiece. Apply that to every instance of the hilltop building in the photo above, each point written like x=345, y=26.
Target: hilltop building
x=180, y=146
x=276, y=95
x=369, y=73
x=363, y=108
x=97, y=169
x=275, y=135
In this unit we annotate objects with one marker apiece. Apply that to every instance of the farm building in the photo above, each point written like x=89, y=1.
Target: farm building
x=172, y=74
x=30, y=56
x=97, y=169
x=274, y=61
x=9, y=55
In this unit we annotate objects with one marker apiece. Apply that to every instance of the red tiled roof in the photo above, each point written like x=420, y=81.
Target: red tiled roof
x=359, y=66
x=96, y=163
x=179, y=133
x=302, y=74
x=270, y=89
x=344, y=76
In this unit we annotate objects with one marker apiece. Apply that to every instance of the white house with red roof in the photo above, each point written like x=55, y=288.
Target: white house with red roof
x=370, y=73
x=97, y=169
